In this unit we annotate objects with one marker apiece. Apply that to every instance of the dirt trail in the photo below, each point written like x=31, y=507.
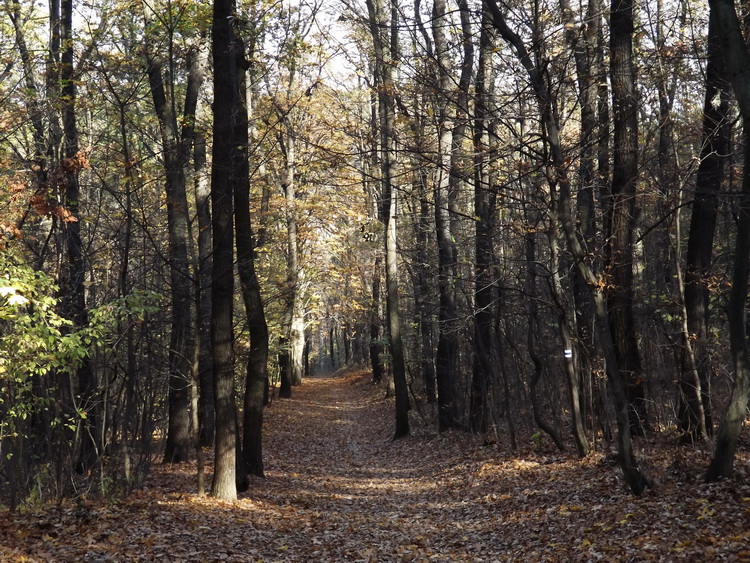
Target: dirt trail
x=358, y=494
x=338, y=489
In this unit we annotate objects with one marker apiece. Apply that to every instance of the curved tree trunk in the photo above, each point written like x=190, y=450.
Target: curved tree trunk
x=531, y=338
x=256, y=370
x=572, y=374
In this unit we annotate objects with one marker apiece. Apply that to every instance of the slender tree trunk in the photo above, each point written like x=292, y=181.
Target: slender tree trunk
x=722, y=463
x=384, y=31
x=372, y=190
x=224, y=484
x=583, y=43
x=532, y=337
x=376, y=345
x=737, y=63
x=203, y=295
x=285, y=370
x=424, y=300
x=711, y=170
x=130, y=377
x=294, y=315
x=485, y=290
x=572, y=374
x=256, y=369
x=394, y=324
x=177, y=146
x=74, y=271
x=620, y=208
x=446, y=360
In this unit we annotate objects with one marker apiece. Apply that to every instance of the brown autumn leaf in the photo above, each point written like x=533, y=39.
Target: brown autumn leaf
x=63, y=213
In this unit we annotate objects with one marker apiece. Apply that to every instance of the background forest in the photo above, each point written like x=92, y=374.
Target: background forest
x=530, y=219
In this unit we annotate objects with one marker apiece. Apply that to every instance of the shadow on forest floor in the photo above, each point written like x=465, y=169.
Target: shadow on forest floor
x=338, y=489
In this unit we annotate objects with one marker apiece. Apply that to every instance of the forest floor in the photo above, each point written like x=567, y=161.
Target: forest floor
x=338, y=489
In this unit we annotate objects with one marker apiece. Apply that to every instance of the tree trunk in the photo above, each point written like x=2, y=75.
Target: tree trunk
x=572, y=374
x=737, y=62
x=620, y=210
x=384, y=30
x=394, y=324
x=256, y=371
x=446, y=360
x=203, y=292
x=424, y=302
x=177, y=146
x=584, y=45
x=74, y=292
x=532, y=330
x=224, y=484
x=285, y=370
x=376, y=345
x=485, y=288
x=294, y=315
x=711, y=170
x=722, y=463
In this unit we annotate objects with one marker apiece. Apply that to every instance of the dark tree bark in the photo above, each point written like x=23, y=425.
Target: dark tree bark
x=256, y=371
x=384, y=32
x=635, y=480
x=222, y=289
x=74, y=273
x=566, y=334
x=584, y=45
x=620, y=211
x=532, y=335
x=376, y=344
x=285, y=369
x=737, y=61
x=722, y=463
x=694, y=395
x=177, y=145
x=485, y=287
x=449, y=331
x=203, y=295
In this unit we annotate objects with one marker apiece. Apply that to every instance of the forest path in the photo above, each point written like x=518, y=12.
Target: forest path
x=355, y=494
x=338, y=489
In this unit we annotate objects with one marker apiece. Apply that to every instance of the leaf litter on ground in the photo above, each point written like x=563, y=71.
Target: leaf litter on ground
x=337, y=488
